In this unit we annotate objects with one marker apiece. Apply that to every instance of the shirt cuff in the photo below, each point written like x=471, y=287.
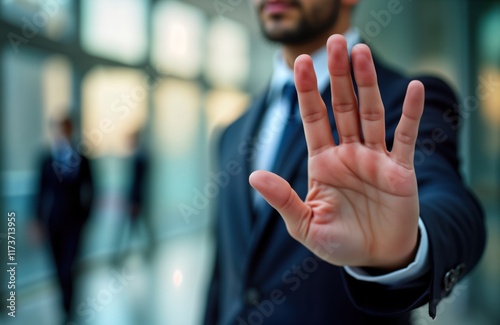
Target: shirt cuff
x=414, y=270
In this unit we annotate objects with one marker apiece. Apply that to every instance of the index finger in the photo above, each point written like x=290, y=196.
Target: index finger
x=312, y=108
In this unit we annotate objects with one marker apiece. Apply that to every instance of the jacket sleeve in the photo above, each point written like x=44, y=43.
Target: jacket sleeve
x=452, y=216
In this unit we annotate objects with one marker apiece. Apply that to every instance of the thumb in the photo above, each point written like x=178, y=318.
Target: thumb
x=280, y=195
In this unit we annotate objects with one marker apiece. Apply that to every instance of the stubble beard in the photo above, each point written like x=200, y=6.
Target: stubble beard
x=305, y=29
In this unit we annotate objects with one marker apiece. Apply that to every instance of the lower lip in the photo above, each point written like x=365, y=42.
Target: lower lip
x=276, y=8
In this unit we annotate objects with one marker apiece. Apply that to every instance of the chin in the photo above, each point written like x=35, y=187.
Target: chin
x=278, y=30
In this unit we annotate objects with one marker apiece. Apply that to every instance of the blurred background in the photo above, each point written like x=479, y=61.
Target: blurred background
x=163, y=78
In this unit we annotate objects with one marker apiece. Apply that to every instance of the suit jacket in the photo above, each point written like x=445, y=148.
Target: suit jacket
x=139, y=178
x=263, y=276
x=65, y=192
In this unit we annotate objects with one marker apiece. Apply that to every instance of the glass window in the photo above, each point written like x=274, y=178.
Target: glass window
x=114, y=103
x=177, y=128
x=53, y=19
x=486, y=152
x=177, y=46
x=177, y=116
x=489, y=75
x=23, y=74
x=223, y=107
x=228, y=51
x=115, y=29
x=56, y=89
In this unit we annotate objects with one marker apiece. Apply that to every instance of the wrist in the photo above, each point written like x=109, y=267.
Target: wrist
x=400, y=263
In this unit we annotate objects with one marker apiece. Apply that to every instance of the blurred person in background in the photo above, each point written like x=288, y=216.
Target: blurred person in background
x=377, y=221
x=137, y=206
x=64, y=203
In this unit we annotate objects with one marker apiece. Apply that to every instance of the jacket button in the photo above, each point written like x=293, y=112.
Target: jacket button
x=450, y=279
x=251, y=296
x=452, y=276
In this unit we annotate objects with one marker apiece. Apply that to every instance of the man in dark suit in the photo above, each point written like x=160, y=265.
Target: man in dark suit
x=381, y=220
x=64, y=203
x=137, y=202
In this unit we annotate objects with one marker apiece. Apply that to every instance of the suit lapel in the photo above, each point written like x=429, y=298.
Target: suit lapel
x=249, y=128
x=287, y=169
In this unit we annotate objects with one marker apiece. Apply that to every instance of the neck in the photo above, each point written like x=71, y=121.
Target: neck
x=292, y=51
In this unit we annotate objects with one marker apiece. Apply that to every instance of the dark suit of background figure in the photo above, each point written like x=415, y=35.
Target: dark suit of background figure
x=138, y=193
x=138, y=197
x=64, y=203
x=139, y=169
x=256, y=278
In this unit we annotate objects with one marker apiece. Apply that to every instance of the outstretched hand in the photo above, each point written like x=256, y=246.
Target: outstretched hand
x=362, y=204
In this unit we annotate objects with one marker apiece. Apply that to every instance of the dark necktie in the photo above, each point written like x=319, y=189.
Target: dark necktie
x=292, y=123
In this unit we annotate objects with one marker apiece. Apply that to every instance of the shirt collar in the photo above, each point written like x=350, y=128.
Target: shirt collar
x=282, y=74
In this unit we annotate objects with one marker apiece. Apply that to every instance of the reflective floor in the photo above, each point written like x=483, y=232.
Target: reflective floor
x=166, y=289
x=169, y=288
x=165, y=285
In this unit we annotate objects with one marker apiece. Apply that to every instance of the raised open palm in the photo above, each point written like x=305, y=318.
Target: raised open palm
x=362, y=205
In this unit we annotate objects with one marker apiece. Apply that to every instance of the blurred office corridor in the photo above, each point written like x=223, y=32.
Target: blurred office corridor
x=166, y=287
x=179, y=72
x=162, y=293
